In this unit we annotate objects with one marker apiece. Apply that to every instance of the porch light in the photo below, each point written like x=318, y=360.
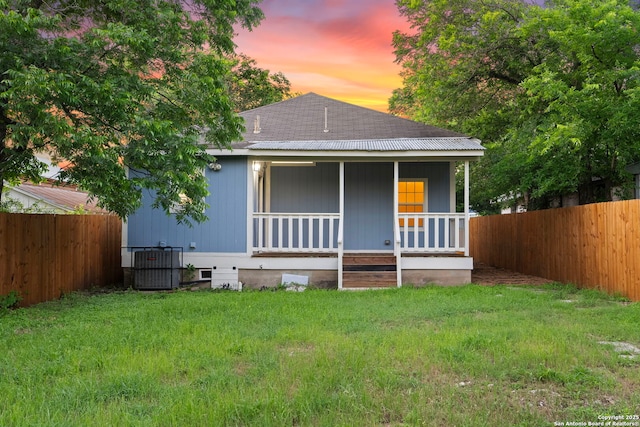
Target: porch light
x=257, y=166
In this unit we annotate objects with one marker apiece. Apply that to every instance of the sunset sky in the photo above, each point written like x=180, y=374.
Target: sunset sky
x=336, y=48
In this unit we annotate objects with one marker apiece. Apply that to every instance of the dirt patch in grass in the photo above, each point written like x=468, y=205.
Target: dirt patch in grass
x=486, y=275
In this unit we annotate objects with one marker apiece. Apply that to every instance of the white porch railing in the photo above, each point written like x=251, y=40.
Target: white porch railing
x=432, y=232
x=295, y=232
x=320, y=232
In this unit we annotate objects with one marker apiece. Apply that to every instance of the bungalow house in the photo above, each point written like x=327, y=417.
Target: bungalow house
x=340, y=195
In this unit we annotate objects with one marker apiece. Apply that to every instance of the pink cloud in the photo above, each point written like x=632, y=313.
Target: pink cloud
x=330, y=47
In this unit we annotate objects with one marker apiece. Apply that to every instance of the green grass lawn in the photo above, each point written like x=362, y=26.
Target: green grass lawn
x=435, y=356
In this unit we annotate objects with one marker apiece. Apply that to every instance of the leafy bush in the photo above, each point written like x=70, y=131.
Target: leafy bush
x=9, y=301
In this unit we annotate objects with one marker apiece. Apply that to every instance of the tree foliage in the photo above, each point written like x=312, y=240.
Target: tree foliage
x=113, y=86
x=552, y=91
x=251, y=86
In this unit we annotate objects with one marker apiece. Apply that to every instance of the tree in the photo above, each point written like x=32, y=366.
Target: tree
x=113, y=86
x=251, y=86
x=583, y=100
x=551, y=91
x=464, y=60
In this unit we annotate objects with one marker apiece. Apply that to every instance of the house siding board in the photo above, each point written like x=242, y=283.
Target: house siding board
x=226, y=229
x=306, y=189
x=368, y=206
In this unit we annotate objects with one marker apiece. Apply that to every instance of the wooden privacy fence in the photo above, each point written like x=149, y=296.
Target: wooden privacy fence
x=594, y=246
x=45, y=256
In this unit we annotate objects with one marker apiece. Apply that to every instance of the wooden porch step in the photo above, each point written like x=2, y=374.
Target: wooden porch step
x=368, y=259
x=369, y=279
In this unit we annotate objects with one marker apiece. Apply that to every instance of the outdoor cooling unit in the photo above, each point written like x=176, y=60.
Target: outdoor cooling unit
x=156, y=269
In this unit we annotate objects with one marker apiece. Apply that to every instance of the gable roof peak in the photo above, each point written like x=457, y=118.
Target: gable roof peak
x=313, y=117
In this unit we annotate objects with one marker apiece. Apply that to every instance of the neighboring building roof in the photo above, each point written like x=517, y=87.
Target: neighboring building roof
x=633, y=168
x=61, y=197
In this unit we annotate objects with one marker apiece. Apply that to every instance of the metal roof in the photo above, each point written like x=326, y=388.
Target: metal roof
x=389, y=144
x=63, y=197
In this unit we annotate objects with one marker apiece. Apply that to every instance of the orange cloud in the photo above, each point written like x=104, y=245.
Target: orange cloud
x=331, y=47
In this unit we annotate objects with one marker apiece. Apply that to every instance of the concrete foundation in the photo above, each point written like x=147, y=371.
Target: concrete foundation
x=436, y=277
x=256, y=279
x=328, y=279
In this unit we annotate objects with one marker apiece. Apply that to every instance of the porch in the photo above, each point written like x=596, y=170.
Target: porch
x=369, y=218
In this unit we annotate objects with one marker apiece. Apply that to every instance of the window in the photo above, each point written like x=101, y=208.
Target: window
x=179, y=206
x=183, y=199
x=412, y=197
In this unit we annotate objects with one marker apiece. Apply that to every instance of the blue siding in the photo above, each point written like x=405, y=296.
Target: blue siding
x=368, y=206
x=226, y=229
x=308, y=189
x=439, y=190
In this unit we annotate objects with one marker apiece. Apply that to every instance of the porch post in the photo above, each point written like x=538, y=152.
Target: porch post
x=396, y=224
x=267, y=189
x=251, y=182
x=466, y=208
x=452, y=187
x=341, y=224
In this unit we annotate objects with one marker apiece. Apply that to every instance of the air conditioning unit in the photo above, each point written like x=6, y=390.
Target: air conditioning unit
x=156, y=269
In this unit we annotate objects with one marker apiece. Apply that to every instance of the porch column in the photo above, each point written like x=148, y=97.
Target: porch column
x=251, y=184
x=341, y=223
x=397, y=250
x=466, y=208
x=396, y=234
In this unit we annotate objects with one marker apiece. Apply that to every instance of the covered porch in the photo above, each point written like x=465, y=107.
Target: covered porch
x=380, y=222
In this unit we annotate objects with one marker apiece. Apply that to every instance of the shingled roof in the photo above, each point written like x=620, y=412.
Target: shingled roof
x=312, y=117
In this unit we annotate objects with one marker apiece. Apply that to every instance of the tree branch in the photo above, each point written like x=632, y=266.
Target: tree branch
x=502, y=8
x=169, y=100
x=503, y=77
x=595, y=55
x=36, y=4
x=70, y=115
